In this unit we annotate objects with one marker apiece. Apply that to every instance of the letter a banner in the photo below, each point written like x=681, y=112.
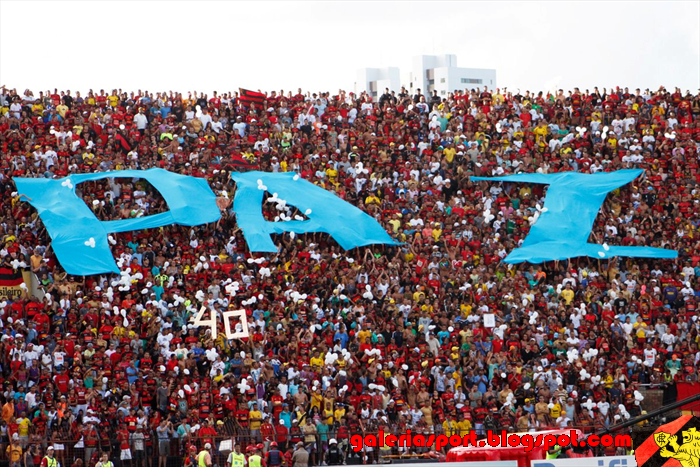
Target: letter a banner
x=676, y=444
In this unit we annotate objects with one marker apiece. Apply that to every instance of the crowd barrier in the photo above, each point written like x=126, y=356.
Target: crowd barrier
x=67, y=451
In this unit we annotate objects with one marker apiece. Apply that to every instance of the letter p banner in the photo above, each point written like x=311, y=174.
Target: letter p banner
x=80, y=240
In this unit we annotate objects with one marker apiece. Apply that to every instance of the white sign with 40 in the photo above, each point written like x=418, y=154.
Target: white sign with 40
x=238, y=331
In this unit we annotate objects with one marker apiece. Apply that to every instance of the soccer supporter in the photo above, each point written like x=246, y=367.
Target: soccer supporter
x=343, y=342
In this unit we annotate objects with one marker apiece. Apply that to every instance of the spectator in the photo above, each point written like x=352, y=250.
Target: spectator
x=338, y=354
x=164, y=431
x=14, y=452
x=300, y=458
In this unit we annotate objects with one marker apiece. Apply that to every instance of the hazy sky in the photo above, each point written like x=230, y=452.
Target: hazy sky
x=188, y=45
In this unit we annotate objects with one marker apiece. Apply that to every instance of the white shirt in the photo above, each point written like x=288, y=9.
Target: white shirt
x=16, y=110
x=206, y=120
x=649, y=357
x=141, y=121
x=240, y=128
x=217, y=127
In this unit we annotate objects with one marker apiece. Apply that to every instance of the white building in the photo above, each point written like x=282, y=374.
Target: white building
x=375, y=80
x=440, y=73
x=428, y=73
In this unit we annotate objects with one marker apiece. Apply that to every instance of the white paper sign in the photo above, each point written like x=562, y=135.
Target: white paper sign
x=238, y=332
x=489, y=320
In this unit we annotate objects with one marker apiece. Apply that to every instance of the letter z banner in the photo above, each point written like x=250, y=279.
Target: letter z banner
x=676, y=444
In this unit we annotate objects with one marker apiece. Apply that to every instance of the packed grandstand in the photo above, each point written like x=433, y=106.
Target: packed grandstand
x=384, y=337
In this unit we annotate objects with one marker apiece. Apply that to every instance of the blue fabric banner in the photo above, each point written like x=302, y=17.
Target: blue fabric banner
x=80, y=240
x=327, y=213
x=572, y=203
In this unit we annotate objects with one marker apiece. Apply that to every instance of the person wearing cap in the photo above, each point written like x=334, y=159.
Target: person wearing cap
x=255, y=458
x=204, y=456
x=191, y=457
x=236, y=458
x=13, y=452
x=300, y=458
x=137, y=440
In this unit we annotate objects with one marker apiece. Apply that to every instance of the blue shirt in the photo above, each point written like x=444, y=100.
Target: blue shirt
x=132, y=374
x=342, y=337
x=286, y=418
x=481, y=381
x=158, y=290
x=198, y=352
x=293, y=389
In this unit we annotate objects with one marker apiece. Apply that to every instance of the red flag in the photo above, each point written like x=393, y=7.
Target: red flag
x=248, y=97
x=10, y=281
x=686, y=390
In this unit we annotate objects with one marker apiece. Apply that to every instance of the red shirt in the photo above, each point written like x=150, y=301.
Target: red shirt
x=61, y=381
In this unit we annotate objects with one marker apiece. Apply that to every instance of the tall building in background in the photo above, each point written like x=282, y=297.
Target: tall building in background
x=376, y=80
x=428, y=73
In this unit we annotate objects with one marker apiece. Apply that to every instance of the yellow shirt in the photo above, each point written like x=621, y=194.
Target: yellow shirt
x=609, y=381
x=555, y=411
x=62, y=109
x=450, y=427
x=14, y=453
x=372, y=200
x=449, y=154
x=395, y=224
x=255, y=424
x=316, y=362
x=113, y=100
x=23, y=427
x=364, y=334
x=641, y=329
x=540, y=134
x=567, y=295
x=464, y=427
x=316, y=399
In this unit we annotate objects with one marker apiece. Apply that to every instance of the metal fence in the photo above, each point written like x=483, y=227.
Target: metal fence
x=177, y=452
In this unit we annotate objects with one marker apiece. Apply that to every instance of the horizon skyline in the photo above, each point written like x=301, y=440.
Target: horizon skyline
x=319, y=46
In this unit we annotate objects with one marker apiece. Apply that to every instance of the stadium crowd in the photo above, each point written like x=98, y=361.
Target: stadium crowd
x=343, y=342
